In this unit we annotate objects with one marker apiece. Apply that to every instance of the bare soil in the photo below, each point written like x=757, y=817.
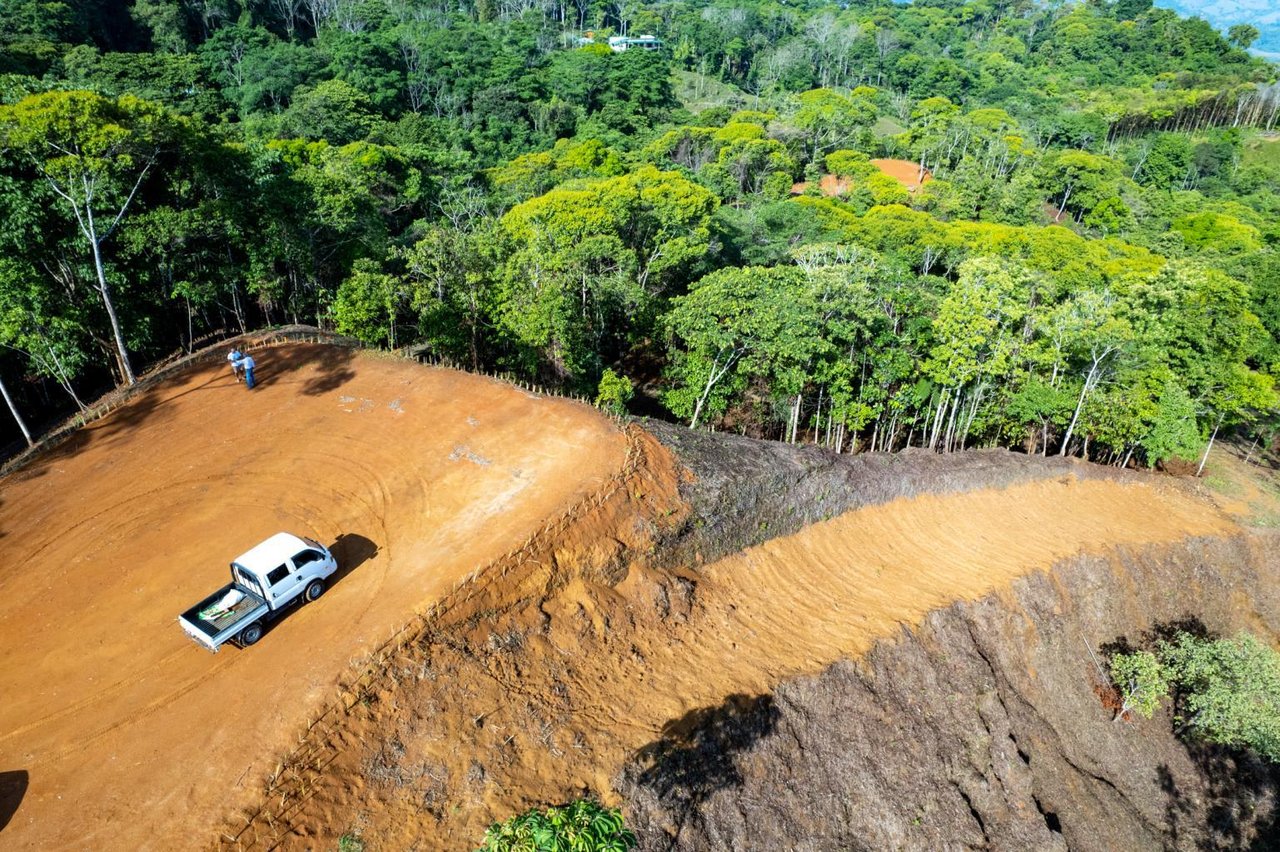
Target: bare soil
x=904, y=172
x=537, y=605
x=985, y=727
x=132, y=737
x=600, y=663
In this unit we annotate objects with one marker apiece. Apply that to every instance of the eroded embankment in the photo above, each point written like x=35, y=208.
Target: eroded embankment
x=604, y=648
x=982, y=729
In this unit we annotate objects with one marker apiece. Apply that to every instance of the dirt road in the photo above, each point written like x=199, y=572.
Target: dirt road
x=131, y=736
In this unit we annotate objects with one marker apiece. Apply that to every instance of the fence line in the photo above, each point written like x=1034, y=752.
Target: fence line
x=254, y=341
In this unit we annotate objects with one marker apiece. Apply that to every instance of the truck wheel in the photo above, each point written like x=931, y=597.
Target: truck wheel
x=250, y=634
x=315, y=590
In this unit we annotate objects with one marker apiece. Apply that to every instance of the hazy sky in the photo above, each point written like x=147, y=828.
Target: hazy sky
x=1263, y=14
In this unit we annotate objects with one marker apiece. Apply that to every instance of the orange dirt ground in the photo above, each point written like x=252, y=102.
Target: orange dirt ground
x=132, y=736
x=904, y=172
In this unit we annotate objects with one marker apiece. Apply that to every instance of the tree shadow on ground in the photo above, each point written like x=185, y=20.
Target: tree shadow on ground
x=331, y=363
x=1239, y=810
x=13, y=787
x=697, y=754
x=1239, y=807
x=1165, y=631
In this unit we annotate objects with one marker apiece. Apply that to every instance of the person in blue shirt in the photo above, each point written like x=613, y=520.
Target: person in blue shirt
x=233, y=358
x=247, y=364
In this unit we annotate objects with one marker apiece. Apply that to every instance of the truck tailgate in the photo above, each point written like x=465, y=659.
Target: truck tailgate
x=222, y=615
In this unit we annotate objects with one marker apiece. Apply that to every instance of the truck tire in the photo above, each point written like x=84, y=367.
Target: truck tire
x=314, y=590
x=250, y=634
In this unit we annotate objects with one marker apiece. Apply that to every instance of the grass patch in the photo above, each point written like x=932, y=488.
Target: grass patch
x=886, y=126
x=1261, y=151
x=350, y=842
x=697, y=92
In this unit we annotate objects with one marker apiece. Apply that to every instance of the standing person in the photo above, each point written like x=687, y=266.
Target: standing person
x=233, y=358
x=247, y=364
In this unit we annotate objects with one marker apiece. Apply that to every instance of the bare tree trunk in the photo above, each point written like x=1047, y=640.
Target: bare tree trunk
x=13, y=409
x=1203, y=461
x=1249, y=455
x=1084, y=391
x=104, y=289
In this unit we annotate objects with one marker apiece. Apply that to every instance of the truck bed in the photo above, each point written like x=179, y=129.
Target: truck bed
x=220, y=623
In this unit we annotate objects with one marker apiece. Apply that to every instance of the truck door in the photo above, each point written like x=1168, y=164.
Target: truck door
x=305, y=558
x=281, y=582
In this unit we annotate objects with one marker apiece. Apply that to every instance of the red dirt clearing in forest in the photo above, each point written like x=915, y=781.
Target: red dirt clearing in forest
x=905, y=172
x=132, y=736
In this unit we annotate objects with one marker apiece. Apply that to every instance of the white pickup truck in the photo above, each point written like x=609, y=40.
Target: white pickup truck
x=280, y=571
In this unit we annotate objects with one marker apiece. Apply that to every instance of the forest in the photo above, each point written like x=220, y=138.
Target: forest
x=1085, y=263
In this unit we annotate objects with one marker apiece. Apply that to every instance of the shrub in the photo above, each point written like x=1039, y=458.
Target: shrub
x=1227, y=690
x=1230, y=690
x=614, y=392
x=1142, y=681
x=583, y=826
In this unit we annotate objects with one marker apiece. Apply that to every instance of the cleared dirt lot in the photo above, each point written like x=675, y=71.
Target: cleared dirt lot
x=133, y=737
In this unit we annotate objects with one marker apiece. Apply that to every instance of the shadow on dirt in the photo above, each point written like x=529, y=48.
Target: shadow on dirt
x=1239, y=802
x=351, y=550
x=13, y=787
x=697, y=754
x=1238, y=806
x=332, y=365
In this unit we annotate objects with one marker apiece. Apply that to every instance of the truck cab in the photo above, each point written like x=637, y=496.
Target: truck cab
x=265, y=580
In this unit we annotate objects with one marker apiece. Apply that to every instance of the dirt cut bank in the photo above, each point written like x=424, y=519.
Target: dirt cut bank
x=555, y=695
x=132, y=737
x=982, y=729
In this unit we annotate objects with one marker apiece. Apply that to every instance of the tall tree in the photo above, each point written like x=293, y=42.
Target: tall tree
x=94, y=153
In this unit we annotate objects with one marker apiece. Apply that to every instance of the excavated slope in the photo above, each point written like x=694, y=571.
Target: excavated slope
x=986, y=727
x=621, y=671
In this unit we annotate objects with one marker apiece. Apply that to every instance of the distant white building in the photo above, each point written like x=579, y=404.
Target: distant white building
x=641, y=42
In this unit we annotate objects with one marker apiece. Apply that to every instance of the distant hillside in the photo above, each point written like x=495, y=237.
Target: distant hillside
x=1263, y=14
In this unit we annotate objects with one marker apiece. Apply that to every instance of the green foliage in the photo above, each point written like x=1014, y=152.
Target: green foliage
x=1227, y=691
x=614, y=392
x=465, y=178
x=1230, y=690
x=583, y=826
x=350, y=842
x=1173, y=433
x=1142, y=680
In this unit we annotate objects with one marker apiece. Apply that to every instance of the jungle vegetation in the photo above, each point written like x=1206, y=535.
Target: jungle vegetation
x=1091, y=270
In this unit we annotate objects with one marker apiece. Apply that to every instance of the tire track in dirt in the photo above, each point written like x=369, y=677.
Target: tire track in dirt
x=113, y=533
x=300, y=773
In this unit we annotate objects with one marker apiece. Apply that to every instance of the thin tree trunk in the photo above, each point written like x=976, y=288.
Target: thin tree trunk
x=1249, y=455
x=105, y=290
x=13, y=409
x=1084, y=391
x=1204, y=460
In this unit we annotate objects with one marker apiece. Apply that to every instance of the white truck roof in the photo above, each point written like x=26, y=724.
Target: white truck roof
x=271, y=553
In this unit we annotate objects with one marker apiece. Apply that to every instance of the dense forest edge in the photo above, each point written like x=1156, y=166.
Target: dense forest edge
x=1045, y=226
